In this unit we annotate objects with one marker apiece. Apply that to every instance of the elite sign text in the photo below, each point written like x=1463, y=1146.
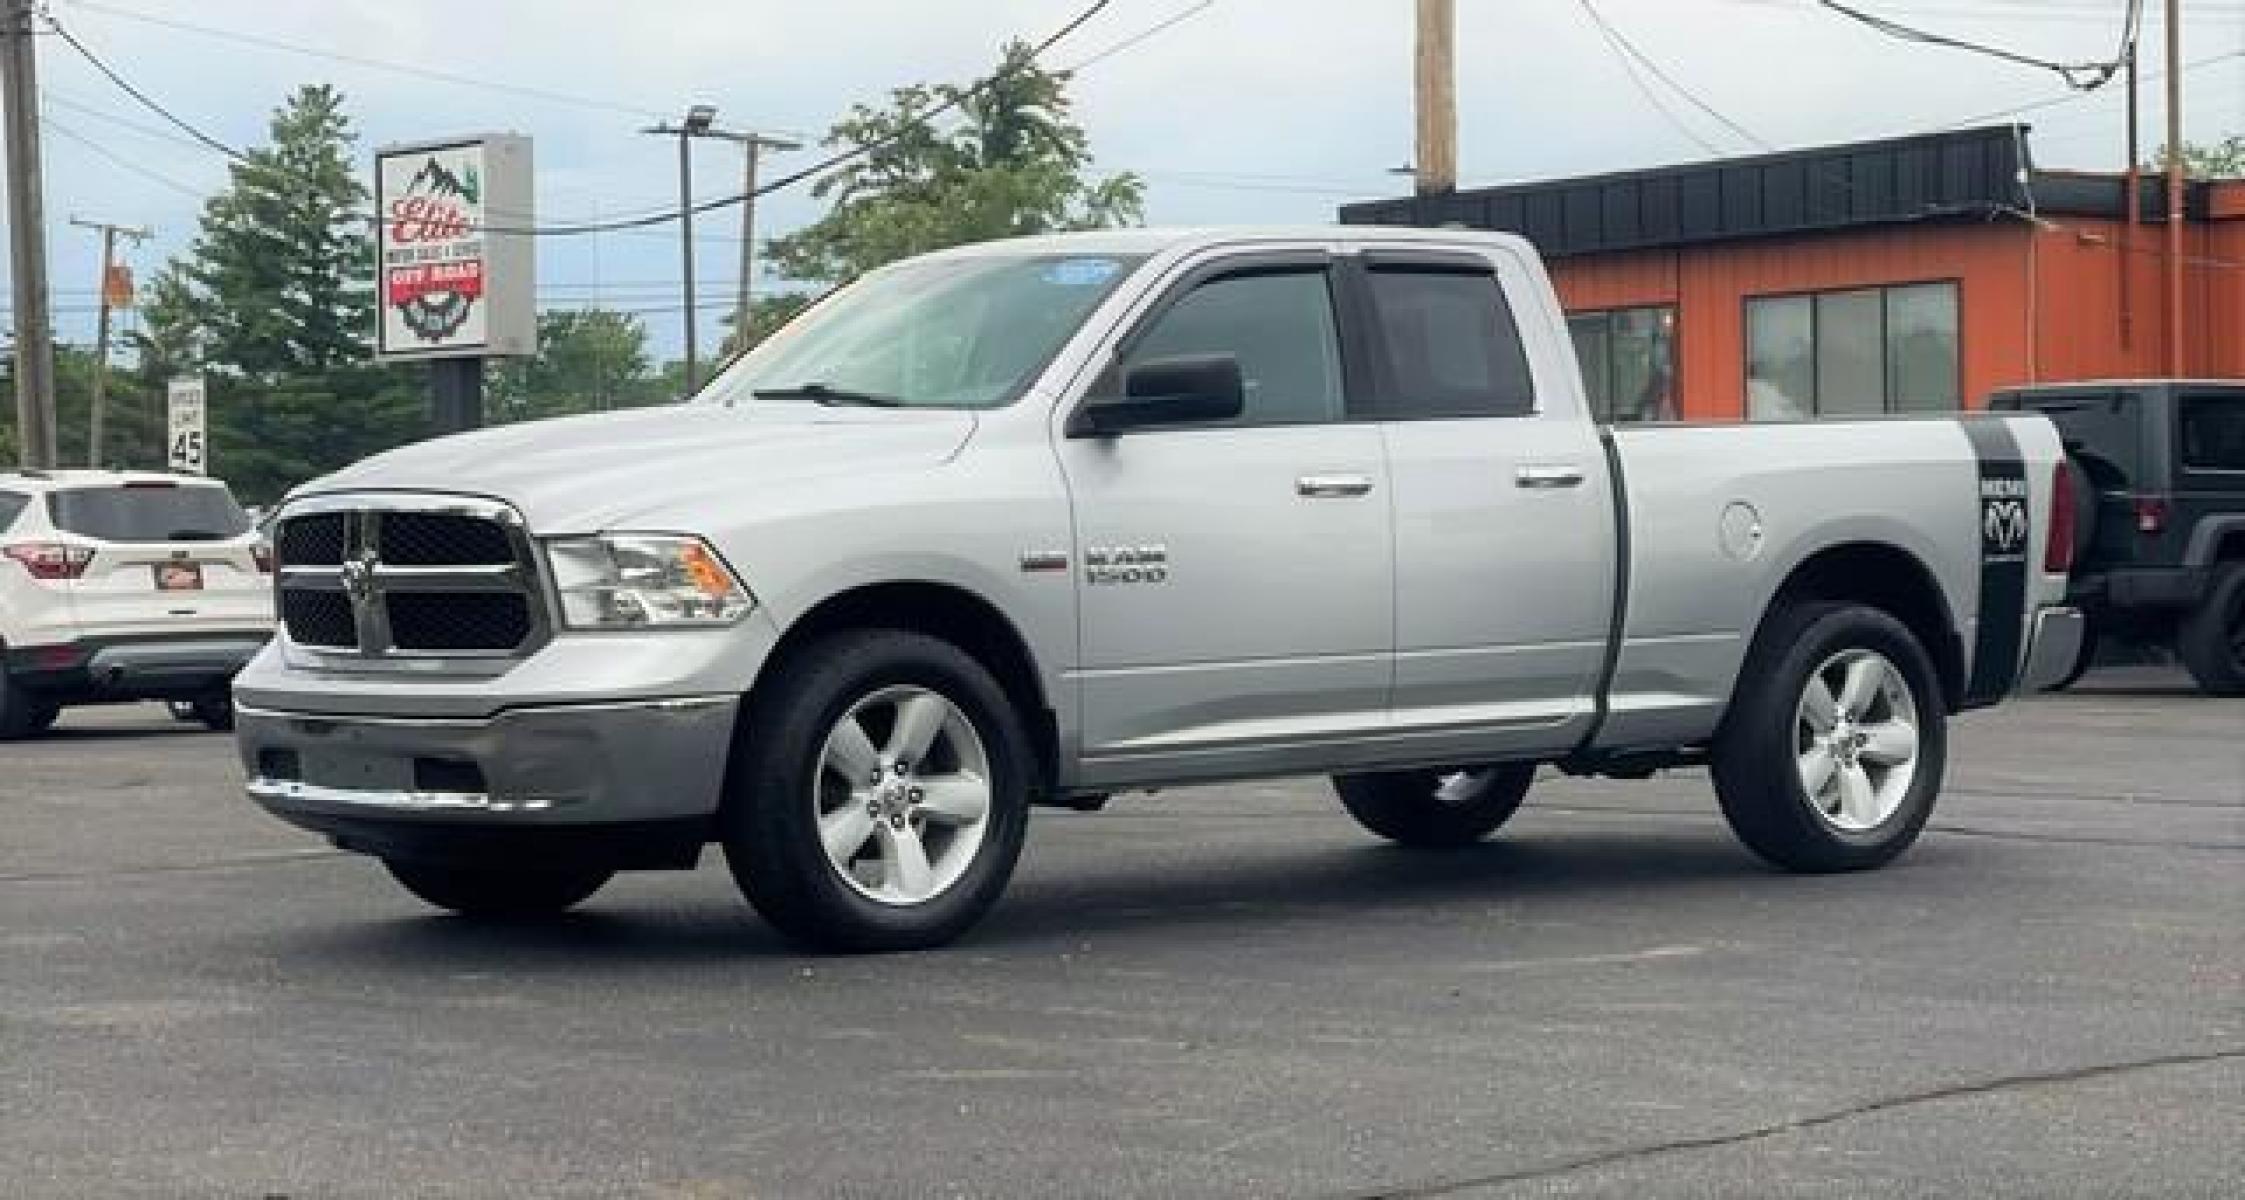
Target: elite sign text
x=456, y=264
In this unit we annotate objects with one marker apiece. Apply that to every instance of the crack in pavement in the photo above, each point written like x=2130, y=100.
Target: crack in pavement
x=276, y=858
x=1448, y=1187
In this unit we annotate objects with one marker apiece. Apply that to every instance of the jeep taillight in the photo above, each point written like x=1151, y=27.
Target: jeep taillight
x=2058, y=544
x=2151, y=514
x=50, y=560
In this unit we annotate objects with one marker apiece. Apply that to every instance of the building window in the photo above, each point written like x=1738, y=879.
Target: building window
x=1853, y=353
x=1628, y=358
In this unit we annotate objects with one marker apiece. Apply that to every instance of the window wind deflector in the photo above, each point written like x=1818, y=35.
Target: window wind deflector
x=829, y=395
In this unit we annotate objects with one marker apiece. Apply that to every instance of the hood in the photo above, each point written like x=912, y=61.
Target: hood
x=604, y=471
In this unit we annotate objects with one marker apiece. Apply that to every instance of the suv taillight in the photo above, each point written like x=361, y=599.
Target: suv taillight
x=2151, y=514
x=50, y=560
x=2058, y=545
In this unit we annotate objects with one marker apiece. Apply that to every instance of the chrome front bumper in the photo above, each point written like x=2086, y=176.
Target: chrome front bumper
x=554, y=765
x=2056, y=644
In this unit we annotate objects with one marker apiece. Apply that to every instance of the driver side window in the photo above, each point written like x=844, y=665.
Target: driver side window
x=1280, y=326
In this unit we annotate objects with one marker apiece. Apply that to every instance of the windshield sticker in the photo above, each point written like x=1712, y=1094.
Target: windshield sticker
x=1082, y=272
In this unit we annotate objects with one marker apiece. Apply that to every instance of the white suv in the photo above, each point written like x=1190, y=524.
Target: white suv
x=124, y=585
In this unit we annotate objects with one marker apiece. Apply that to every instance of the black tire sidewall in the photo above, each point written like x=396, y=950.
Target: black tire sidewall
x=1401, y=807
x=1756, y=776
x=769, y=827
x=497, y=892
x=2204, y=641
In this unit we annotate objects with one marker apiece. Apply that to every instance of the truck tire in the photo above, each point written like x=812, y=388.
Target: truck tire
x=22, y=713
x=498, y=892
x=2212, y=640
x=1436, y=809
x=1832, y=753
x=879, y=795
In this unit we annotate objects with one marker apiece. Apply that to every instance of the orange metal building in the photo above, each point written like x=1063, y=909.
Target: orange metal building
x=1851, y=278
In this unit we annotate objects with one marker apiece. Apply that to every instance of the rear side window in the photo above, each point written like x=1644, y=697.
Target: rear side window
x=162, y=513
x=11, y=505
x=1452, y=348
x=2209, y=430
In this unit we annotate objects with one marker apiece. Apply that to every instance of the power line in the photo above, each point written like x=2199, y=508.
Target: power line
x=1615, y=36
x=120, y=161
x=2085, y=76
x=1629, y=69
x=2073, y=97
x=621, y=224
x=360, y=60
x=1142, y=35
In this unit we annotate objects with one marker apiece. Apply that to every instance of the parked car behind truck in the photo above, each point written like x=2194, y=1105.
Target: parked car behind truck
x=1044, y=520
x=2161, y=533
x=124, y=585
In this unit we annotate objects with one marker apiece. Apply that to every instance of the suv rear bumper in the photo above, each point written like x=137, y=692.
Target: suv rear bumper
x=131, y=668
x=2137, y=588
x=550, y=767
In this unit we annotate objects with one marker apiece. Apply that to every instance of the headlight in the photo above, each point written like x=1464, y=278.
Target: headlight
x=644, y=580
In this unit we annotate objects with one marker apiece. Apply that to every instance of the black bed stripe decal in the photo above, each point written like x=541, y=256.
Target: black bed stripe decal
x=2004, y=539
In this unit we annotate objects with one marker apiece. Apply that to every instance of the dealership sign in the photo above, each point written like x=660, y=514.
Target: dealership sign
x=457, y=268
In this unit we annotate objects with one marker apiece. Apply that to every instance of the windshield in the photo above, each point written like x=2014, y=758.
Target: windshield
x=149, y=513
x=965, y=332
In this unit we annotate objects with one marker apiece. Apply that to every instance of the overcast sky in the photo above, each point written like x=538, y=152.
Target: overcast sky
x=1246, y=110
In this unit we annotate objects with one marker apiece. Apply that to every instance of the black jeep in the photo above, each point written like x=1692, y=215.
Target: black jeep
x=2160, y=555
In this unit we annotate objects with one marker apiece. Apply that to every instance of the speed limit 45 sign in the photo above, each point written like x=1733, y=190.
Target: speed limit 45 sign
x=186, y=435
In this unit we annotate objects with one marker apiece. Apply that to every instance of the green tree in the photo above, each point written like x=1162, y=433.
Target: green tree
x=1016, y=163
x=273, y=302
x=588, y=359
x=2224, y=159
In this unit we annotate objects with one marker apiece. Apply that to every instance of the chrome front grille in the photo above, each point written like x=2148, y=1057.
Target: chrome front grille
x=407, y=577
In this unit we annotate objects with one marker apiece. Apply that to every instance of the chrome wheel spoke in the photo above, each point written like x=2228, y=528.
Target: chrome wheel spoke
x=918, y=720
x=1890, y=743
x=851, y=754
x=1818, y=707
x=905, y=868
x=1817, y=765
x=1865, y=677
x=955, y=799
x=1859, y=801
x=845, y=830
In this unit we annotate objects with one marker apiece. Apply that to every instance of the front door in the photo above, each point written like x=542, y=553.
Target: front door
x=1234, y=580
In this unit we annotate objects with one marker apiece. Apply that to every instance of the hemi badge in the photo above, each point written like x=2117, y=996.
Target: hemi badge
x=1044, y=560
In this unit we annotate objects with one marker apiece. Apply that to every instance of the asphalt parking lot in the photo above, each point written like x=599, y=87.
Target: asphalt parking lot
x=1225, y=991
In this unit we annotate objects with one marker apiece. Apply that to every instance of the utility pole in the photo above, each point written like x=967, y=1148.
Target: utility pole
x=1437, y=98
x=753, y=144
x=2174, y=188
x=27, y=243
x=109, y=235
x=700, y=118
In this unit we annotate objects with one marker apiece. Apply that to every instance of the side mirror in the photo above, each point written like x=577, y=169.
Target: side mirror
x=1188, y=389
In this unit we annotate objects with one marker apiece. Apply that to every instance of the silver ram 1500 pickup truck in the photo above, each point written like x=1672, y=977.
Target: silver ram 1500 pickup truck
x=1043, y=520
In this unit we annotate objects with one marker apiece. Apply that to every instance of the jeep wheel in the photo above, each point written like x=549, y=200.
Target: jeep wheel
x=495, y=892
x=1435, y=809
x=2212, y=642
x=1832, y=754
x=881, y=796
x=214, y=712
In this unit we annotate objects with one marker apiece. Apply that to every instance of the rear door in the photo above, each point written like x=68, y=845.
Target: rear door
x=1504, y=514
x=168, y=557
